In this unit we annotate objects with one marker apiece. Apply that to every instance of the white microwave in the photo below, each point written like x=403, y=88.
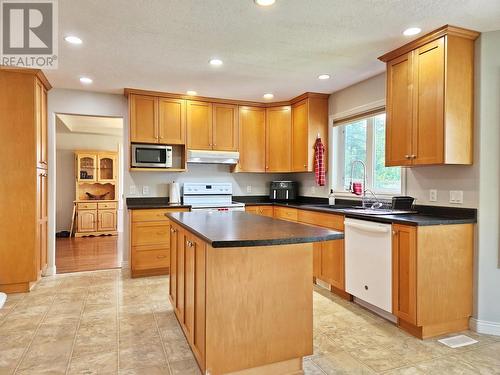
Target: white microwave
x=151, y=156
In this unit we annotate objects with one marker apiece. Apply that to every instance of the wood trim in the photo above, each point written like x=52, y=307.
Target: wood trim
x=36, y=72
x=429, y=37
x=128, y=91
x=341, y=293
x=16, y=288
x=358, y=116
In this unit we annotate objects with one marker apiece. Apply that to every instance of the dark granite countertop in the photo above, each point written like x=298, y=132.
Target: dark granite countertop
x=152, y=202
x=426, y=215
x=240, y=229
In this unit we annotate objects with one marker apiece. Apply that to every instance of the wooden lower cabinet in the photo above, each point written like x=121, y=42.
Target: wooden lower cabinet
x=96, y=218
x=231, y=326
x=261, y=210
x=286, y=213
x=150, y=241
x=87, y=221
x=432, y=278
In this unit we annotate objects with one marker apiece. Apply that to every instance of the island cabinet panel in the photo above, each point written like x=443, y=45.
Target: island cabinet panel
x=225, y=127
x=432, y=278
x=261, y=210
x=143, y=118
x=430, y=99
x=171, y=121
x=199, y=125
x=249, y=324
x=252, y=139
x=278, y=139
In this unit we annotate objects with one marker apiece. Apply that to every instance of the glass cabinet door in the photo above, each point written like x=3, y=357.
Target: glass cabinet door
x=107, y=167
x=87, y=167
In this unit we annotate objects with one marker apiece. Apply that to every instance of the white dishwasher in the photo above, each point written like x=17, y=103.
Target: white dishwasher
x=368, y=262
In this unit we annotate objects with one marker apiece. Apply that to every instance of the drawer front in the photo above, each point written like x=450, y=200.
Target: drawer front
x=154, y=233
x=252, y=209
x=154, y=214
x=150, y=259
x=265, y=210
x=87, y=206
x=285, y=213
x=107, y=205
x=331, y=221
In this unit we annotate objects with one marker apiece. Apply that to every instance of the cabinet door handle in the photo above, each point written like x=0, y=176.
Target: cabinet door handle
x=395, y=232
x=161, y=256
x=414, y=156
x=407, y=156
x=189, y=243
x=43, y=162
x=172, y=230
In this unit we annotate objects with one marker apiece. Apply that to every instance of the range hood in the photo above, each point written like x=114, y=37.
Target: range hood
x=212, y=157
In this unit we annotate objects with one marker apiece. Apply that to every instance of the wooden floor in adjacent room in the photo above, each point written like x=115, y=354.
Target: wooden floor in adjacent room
x=86, y=253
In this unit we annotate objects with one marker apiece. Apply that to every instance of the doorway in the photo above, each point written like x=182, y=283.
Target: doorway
x=89, y=185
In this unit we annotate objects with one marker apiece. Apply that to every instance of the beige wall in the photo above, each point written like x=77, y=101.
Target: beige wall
x=66, y=144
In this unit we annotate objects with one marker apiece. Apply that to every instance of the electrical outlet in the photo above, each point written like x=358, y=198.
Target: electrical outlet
x=456, y=196
x=133, y=190
x=249, y=188
x=145, y=190
x=433, y=195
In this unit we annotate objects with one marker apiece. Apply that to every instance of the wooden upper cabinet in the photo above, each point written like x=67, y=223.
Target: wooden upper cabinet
x=171, y=121
x=278, y=139
x=225, y=127
x=252, y=139
x=143, y=118
x=399, y=111
x=199, y=125
x=430, y=98
x=428, y=102
x=107, y=166
x=309, y=119
x=41, y=124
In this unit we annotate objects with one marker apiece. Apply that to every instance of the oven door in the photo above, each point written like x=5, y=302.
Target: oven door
x=152, y=156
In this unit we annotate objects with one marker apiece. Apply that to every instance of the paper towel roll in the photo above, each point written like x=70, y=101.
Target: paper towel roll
x=175, y=193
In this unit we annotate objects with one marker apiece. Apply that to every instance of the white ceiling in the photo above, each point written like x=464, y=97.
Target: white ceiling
x=165, y=45
x=89, y=124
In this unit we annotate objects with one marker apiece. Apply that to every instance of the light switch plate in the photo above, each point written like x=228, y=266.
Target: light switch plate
x=249, y=188
x=456, y=196
x=433, y=195
x=145, y=190
x=133, y=190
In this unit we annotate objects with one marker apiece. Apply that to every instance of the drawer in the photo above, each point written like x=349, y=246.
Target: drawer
x=87, y=206
x=154, y=214
x=285, y=213
x=150, y=259
x=252, y=209
x=265, y=210
x=150, y=233
x=107, y=205
x=331, y=221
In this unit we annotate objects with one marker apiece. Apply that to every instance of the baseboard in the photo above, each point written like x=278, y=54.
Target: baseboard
x=125, y=264
x=49, y=271
x=484, y=326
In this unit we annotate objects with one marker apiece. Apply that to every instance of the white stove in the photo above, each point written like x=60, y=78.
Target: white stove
x=217, y=196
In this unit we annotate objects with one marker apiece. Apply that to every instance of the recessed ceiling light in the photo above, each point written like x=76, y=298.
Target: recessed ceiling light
x=86, y=80
x=324, y=76
x=73, y=39
x=264, y=3
x=216, y=62
x=412, y=31
x=191, y=92
x=268, y=96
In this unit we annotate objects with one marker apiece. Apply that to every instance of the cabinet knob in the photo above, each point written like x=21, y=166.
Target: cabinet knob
x=407, y=156
x=414, y=156
x=305, y=165
x=189, y=243
x=395, y=232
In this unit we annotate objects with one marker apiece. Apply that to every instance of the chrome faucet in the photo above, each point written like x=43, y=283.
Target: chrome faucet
x=375, y=205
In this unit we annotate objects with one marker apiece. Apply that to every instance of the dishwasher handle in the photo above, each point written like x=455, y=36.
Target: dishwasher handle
x=367, y=227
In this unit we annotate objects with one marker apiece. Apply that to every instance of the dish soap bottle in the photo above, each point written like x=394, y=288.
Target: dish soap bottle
x=331, y=198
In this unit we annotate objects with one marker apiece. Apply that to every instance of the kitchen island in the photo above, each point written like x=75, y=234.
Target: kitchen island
x=242, y=292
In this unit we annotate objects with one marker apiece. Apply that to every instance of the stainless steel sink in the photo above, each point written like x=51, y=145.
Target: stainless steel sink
x=377, y=211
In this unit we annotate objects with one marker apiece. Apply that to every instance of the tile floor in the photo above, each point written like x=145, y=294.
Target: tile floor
x=103, y=322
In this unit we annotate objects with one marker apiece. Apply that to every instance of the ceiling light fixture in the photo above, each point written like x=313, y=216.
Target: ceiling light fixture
x=412, y=31
x=191, y=92
x=73, y=39
x=264, y=3
x=86, y=80
x=324, y=76
x=216, y=62
x=268, y=96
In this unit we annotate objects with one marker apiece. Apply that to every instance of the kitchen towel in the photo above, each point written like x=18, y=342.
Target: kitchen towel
x=319, y=162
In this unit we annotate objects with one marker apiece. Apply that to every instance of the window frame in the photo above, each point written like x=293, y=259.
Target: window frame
x=339, y=175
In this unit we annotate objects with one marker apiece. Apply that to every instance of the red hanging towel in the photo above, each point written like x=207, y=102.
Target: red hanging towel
x=319, y=162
